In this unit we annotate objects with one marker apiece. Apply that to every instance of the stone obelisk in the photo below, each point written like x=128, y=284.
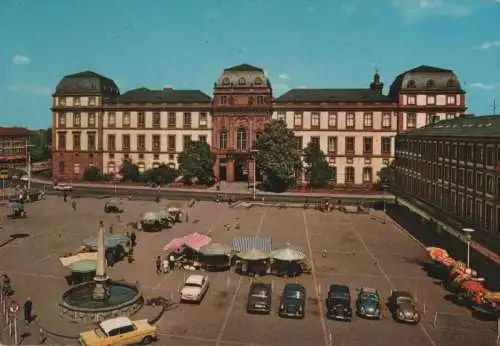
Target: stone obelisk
x=101, y=276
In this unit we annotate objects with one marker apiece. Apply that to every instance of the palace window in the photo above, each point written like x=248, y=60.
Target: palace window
x=77, y=140
x=61, y=141
x=412, y=100
x=332, y=145
x=111, y=119
x=91, y=141
x=451, y=100
x=242, y=81
x=368, y=120
x=297, y=119
x=386, y=120
x=156, y=143
x=92, y=101
x=203, y=120
x=241, y=139
x=62, y=119
x=430, y=84
x=411, y=84
x=126, y=142
x=315, y=141
x=367, y=145
x=349, y=175
x=315, y=120
x=349, y=145
x=332, y=120
x=77, y=100
x=91, y=119
x=111, y=143
x=62, y=101
x=349, y=121
x=171, y=119
x=186, y=141
x=141, y=120
x=386, y=145
x=187, y=120
x=223, y=139
x=202, y=138
x=411, y=120
x=431, y=100
x=126, y=119
x=141, y=142
x=171, y=143
x=282, y=116
x=156, y=120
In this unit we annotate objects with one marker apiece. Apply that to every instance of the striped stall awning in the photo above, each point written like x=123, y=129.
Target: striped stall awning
x=247, y=243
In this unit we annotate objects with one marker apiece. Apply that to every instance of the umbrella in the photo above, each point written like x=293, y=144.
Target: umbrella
x=114, y=201
x=174, y=244
x=196, y=241
x=149, y=216
x=83, y=266
x=215, y=249
x=253, y=255
x=111, y=241
x=288, y=254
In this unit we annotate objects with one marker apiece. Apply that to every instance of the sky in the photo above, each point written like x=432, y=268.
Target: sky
x=187, y=43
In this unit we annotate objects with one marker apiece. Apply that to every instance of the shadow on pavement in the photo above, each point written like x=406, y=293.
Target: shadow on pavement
x=13, y=237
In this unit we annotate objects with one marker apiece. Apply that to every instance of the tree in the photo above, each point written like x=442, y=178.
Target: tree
x=277, y=156
x=40, y=141
x=162, y=174
x=195, y=163
x=129, y=171
x=318, y=171
x=387, y=177
x=92, y=173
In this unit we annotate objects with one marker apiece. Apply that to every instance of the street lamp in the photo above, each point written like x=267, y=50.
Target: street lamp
x=468, y=235
x=254, y=170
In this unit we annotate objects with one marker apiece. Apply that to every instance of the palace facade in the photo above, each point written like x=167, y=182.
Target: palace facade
x=95, y=124
x=454, y=166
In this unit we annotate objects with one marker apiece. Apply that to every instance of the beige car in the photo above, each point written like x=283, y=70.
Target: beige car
x=119, y=331
x=194, y=288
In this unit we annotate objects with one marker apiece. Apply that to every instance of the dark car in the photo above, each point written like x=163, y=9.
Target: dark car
x=293, y=301
x=338, y=303
x=368, y=303
x=403, y=307
x=259, y=298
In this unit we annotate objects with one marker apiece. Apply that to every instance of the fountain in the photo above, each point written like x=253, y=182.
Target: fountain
x=101, y=298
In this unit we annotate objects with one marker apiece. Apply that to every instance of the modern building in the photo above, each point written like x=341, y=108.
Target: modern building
x=454, y=165
x=96, y=125
x=13, y=149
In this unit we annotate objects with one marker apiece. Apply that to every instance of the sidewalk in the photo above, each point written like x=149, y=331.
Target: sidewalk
x=449, y=225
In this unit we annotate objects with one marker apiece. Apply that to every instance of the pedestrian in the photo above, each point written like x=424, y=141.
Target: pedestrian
x=65, y=197
x=171, y=261
x=158, y=265
x=28, y=307
x=187, y=217
x=129, y=241
x=166, y=265
x=110, y=258
x=73, y=205
x=133, y=238
x=42, y=336
x=111, y=229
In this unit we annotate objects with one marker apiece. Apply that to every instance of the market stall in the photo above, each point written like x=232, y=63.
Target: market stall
x=252, y=254
x=216, y=256
x=287, y=262
x=186, y=250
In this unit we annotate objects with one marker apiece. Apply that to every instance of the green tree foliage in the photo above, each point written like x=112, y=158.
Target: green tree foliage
x=387, y=174
x=162, y=174
x=318, y=171
x=195, y=163
x=40, y=141
x=92, y=173
x=277, y=156
x=129, y=171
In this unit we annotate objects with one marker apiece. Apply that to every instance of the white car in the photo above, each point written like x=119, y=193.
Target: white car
x=194, y=288
x=24, y=178
x=63, y=187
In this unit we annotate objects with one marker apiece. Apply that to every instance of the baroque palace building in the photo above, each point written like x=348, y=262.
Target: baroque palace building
x=94, y=124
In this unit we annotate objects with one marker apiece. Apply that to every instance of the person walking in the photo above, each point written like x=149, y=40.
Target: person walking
x=158, y=265
x=133, y=238
x=28, y=308
x=73, y=205
x=166, y=265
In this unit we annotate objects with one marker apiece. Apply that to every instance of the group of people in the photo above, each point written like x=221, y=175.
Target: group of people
x=167, y=264
x=113, y=254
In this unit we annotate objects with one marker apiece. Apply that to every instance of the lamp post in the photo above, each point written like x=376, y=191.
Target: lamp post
x=468, y=235
x=254, y=171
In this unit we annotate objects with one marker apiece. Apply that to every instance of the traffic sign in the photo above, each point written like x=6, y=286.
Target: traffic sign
x=13, y=307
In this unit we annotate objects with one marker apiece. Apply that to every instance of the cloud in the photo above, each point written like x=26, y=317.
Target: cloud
x=284, y=76
x=483, y=86
x=30, y=89
x=492, y=44
x=416, y=10
x=21, y=60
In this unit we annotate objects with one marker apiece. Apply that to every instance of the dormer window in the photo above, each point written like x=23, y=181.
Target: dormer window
x=430, y=84
x=258, y=81
x=411, y=84
x=242, y=81
x=451, y=83
x=225, y=81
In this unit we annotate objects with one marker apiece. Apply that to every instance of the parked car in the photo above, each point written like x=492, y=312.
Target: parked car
x=368, y=303
x=24, y=178
x=338, y=303
x=119, y=331
x=63, y=187
x=293, y=301
x=259, y=298
x=403, y=307
x=194, y=288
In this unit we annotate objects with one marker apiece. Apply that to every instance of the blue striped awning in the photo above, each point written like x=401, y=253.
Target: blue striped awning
x=247, y=243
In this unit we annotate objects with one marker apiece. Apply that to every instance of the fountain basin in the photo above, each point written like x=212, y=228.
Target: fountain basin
x=78, y=305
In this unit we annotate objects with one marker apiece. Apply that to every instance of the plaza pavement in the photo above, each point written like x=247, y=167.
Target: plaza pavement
x=361, y=251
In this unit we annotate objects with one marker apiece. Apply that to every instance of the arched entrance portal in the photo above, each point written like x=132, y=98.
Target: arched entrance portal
x=240, y=169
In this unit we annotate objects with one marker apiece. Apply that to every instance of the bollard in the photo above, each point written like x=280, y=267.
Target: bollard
x=434, y=322
x=319, y=289
x=425, y=308
x=228, y=281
